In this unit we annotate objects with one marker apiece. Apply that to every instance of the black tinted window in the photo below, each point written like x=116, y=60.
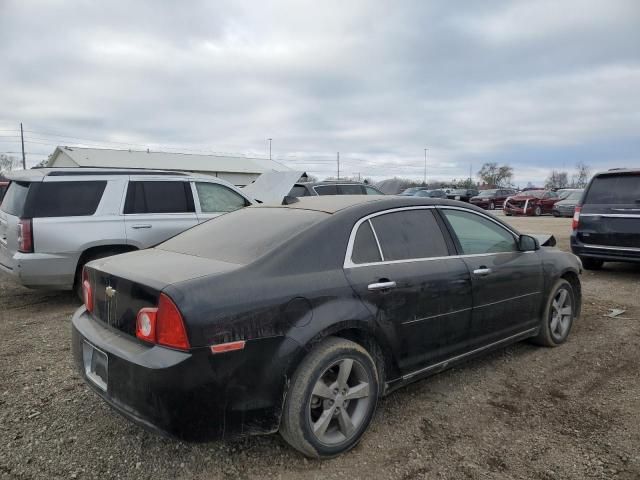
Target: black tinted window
x=159, y=197
x=326, y=190
x=615, y=189
x=299, y=191
x=64, y=199
x=244, y=235
x=350, y=189
x=365, y=247
x=14, y=199
x=409, y=234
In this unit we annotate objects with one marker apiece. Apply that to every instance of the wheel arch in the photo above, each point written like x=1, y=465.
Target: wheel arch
x=574, y=280
x=94, y=250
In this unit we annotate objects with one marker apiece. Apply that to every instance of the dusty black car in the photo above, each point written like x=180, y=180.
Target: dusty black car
x=462, y=194
x=332, y=187
x=298, y=318
x=606, y=222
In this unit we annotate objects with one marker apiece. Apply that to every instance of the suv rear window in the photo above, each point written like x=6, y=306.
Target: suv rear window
x=14, y=199
x=159, y=197
x=614, y=189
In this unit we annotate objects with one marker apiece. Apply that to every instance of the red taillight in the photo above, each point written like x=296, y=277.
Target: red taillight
x=576, y=218
x=87, y=293
x=25, y=235
x=162, y=325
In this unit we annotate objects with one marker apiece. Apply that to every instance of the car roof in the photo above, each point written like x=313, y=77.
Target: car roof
x=336, y=203
x=38, y=174
x=617, y=171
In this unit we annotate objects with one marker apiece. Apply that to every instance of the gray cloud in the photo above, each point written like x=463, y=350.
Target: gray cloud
x=377, y=81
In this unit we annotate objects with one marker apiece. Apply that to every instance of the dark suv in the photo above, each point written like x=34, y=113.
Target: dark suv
x=334, y=187
x=606, y=223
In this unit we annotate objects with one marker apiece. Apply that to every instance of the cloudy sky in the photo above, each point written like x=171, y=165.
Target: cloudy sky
x=537, y=85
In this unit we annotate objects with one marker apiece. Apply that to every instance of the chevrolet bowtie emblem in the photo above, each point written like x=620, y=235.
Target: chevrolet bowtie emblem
x=110, y=292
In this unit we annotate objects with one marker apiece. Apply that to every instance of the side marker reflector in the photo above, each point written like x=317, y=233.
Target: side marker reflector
x=227, y=347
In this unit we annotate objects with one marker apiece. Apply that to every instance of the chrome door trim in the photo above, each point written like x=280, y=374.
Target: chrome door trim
x=611, y=215
x=506, y=300
x=607, y=247
x=444, y=363
x=409, y=322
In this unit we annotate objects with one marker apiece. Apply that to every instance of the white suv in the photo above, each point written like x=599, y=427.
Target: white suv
x=53, y=221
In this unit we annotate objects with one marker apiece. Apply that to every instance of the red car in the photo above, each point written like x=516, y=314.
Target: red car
x=531, y=202
x=492, y=199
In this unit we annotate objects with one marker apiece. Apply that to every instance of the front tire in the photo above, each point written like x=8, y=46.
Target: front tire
x=331, y=400
x=559, y=315
x=492, y=206
x=591, y=263
x=537, y=211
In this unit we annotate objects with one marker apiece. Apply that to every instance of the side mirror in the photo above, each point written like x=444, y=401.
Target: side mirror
x=527, y=243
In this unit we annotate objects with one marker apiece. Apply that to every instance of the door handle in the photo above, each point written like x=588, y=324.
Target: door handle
x=376, y=287
x=137, y=227
x=482, y=271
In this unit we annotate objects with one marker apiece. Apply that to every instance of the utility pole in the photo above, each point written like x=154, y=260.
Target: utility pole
x=338, y=159
x=424, y=181
x=24, y=161
x=270, y=139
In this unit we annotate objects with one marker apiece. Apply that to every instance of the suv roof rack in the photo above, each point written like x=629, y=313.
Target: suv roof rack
x=65, y=173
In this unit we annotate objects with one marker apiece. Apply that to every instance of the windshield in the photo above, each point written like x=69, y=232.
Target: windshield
x=487, y=193
x=575, y=195
x=244, y=235
x=532, y=193
x=14, y=200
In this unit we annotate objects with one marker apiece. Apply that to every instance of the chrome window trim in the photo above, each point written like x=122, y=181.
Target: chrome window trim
x=348, y=263
x=375, y=235
x=612, y=215
x=607, y=247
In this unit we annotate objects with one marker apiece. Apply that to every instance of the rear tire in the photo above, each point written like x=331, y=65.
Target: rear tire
x=537, y=211
x=591, y=263
x=331, y=400
x=559, y=315
x=492, y=206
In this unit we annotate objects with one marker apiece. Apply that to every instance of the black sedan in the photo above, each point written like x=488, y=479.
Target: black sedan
x=298, y=318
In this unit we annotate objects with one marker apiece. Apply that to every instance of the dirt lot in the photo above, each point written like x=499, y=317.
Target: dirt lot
x=524, y=412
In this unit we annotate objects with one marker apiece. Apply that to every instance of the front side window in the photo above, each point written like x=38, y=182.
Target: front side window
x=409, y=234
x=218, y=198
x=478, y=234
x=159, y=197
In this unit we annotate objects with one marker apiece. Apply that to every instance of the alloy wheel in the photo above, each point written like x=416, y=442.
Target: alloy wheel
x=339, y=402
x=561, y=314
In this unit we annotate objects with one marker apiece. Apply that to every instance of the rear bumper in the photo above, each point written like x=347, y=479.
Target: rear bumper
x=194, y=396
x=605, y=252
x=42, y=270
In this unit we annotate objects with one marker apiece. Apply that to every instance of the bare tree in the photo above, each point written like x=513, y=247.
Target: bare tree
x=7, y=163
x=557, y=180
x=582, y=176
x=496, y=175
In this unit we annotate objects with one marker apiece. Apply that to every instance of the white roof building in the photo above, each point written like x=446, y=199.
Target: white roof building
x=240, y=171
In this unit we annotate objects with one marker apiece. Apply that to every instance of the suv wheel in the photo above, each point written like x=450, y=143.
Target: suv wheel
x=332, y=399
x=591, y=263
x=559, y=315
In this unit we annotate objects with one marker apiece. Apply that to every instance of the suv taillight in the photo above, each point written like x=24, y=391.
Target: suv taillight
x=162, y=325
x=25, y=235
x=576, y=218
x=87, y=292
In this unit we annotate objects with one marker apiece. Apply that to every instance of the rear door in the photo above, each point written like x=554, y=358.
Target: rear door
x=398, y=263
x=156, y=209
x=610, y=213
x=507, y=283
x=11, y=211
x=214, y=199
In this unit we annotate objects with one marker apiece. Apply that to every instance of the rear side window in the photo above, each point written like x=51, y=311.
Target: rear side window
x=218, y=198
x=614, y=189
x=350, y=189
x=409, y=234
x=159, y=197
x=365, y=247
x=477, y=234
x=371, y=191
x=326, y=190
x=64, y=199
x=299, y=191
x=14, y=199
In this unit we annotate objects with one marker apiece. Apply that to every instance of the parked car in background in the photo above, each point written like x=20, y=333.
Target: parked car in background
x=430, y=194
x=217, y=333
x=531, y=202
x=332, y=187
x=3, y=189
x=462, y=194
x=567, y=203
x=53, y=221
x=492, y=199
x=408, y=192
x=606, y=223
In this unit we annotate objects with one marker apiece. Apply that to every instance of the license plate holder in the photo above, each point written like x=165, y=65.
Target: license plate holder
x=96, y=365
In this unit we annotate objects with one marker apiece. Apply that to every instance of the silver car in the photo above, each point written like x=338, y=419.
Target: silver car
x=53, y=221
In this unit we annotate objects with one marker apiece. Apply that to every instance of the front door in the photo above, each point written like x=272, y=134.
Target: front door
x=420, y=297
x=507, y=283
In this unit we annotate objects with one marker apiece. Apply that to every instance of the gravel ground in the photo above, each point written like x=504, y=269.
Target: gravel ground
x=521, y=413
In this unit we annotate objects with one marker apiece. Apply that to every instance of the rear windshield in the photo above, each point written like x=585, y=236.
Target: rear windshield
x=14, y=199
x=615, y=189
x=532, y=193
x=244, y=235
